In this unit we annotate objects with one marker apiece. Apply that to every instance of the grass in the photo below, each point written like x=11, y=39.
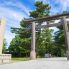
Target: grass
x=17, y=59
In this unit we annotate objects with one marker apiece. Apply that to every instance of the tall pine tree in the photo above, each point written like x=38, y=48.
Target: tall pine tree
x=23, y=33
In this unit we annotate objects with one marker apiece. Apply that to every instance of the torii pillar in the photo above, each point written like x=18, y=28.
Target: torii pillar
x=33, y=52
x=2, y=30
x=66, y=31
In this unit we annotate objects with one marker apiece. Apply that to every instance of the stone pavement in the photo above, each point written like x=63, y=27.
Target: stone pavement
x=44, y=63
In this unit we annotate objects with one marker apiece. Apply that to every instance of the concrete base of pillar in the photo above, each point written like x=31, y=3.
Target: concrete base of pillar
x=68, y=55
x=32, y=55
x=5, y=58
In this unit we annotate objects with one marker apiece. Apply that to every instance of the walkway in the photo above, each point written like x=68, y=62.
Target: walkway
x=45, y=63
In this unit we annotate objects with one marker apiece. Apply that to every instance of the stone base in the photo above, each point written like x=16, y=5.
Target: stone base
x=32, y=55
x=5, y=58
x=67, y=55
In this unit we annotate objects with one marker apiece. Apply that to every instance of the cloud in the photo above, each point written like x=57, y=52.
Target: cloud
x=10, y=15
x=12, y=20
x=64, y=4
x=13, y=16
x=18, y=5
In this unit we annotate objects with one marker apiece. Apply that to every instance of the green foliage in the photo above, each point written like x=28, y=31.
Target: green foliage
x=41, y=10
x=45, y=42
x=22, y=31
x=59, y=42
x=20, y=47
x=18, y=59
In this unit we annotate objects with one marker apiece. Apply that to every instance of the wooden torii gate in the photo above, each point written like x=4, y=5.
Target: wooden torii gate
x=49, y=18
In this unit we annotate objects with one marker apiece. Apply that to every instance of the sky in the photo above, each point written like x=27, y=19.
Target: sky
x=15, y=10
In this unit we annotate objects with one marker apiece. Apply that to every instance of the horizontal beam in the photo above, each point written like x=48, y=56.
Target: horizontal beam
x=49, y=25
x=46, y=18
x=45, y=26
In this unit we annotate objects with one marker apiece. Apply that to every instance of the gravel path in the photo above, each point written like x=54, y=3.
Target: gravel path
x=44, y=63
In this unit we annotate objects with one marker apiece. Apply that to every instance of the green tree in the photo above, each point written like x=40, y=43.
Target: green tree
x=24, y=33
x=20, y=47
x=41, y=10
x=45, y=42
x=59, y=42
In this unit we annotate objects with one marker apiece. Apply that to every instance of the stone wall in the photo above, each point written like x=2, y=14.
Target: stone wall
x=5, y=58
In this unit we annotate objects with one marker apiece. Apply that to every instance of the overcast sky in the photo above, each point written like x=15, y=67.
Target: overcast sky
x=15, y=10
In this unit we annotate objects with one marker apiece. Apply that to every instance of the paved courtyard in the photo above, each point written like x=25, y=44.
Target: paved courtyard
x=44, y=63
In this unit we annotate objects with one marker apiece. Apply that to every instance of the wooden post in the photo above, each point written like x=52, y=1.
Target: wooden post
x=33, y=53
x=66, y=35
x=2, y=29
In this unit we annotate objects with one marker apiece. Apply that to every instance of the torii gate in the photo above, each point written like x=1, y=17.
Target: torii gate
x=48, y=18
